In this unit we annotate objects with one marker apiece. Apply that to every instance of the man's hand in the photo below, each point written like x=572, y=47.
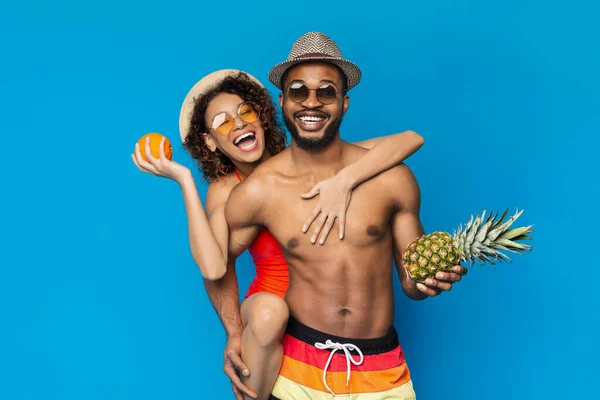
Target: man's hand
x=233, y=366
x=443, y=281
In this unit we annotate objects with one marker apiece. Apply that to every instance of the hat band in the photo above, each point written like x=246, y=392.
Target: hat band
x=313, y=55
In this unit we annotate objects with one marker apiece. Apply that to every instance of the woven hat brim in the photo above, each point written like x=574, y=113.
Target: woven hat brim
x=203, y=86
x=353, y=73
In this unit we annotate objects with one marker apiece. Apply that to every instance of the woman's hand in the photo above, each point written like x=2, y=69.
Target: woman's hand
x=160, y=166
x=334, y=198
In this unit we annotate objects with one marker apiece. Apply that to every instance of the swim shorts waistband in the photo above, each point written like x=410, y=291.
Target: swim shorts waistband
x=367, y=346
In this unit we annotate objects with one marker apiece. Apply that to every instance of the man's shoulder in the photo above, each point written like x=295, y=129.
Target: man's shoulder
x=400, y=177
x=266, y=172
x=401, y=184
x=249, y=189
x=256, y=186
x=245, y=202
x=400, y=171
x=352, y=152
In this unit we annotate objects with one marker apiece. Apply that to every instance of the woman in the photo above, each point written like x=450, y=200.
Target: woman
x=232, y=129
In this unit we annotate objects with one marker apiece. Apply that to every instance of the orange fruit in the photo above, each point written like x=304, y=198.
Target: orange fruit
x=155, y=139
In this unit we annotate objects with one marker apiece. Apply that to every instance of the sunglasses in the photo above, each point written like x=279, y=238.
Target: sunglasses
x=223, y=122
x=298, y=92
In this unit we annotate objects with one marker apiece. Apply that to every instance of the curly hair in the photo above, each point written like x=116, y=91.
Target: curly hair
x=216, y=164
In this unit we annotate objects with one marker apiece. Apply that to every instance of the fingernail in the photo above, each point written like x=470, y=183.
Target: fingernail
x=439, y=275
x=341, y=236
x=304, y=229
x=245, y=372
x=428, y=281
x=420, y=286
x=456, y=269
x=313, y=239
x=321, y=241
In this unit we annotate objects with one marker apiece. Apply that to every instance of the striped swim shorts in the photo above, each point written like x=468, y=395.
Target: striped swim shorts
x=318, y=366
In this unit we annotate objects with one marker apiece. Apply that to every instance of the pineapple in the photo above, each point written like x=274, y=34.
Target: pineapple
x=481, y=241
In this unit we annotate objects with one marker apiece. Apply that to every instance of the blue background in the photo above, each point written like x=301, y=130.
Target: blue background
x=99, y=295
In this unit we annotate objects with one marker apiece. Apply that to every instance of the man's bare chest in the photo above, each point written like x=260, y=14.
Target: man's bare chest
x=367, y=219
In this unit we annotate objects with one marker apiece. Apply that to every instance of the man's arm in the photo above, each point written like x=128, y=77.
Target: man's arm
x=224, y=296
x=223, y=293
x=239, y=215
x=238, y=209
x=406, y=227
x=243, y=212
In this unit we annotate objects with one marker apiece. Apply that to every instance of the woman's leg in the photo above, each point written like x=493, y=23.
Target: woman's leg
x=265, y=317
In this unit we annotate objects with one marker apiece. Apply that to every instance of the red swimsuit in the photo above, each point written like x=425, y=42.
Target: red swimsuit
x=271, y=268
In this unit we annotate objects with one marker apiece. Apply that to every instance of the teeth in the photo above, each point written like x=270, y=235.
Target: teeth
x=311, y=119
x=245, y=135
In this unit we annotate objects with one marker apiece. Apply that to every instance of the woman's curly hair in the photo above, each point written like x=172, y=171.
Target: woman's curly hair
x=216, y=164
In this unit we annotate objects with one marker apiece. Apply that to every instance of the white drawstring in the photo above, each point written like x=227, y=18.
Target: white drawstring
x=329, y=345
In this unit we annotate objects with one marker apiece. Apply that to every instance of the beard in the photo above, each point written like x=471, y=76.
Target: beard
x=314, y=143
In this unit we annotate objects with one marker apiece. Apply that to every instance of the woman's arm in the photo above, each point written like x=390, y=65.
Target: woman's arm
x=208, y=239
x=334, y=194
x=208, y=236
x=384, y=153
x=208, y=232
x=370, y=143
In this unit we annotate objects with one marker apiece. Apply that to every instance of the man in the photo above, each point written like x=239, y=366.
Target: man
x=340, y=338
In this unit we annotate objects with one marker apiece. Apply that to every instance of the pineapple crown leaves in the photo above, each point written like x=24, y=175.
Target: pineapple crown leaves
x=486, y=242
